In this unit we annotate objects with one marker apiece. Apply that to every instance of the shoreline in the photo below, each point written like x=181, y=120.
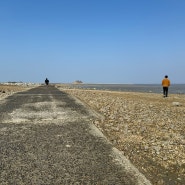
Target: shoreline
x=146, y=88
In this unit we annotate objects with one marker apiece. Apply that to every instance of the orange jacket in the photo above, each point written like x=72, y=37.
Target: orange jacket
x=165, y=82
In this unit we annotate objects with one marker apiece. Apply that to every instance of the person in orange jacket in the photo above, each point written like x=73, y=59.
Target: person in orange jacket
x=165, y=84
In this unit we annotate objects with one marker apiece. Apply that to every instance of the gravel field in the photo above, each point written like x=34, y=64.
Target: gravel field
x=148, y=128
x=7, y=90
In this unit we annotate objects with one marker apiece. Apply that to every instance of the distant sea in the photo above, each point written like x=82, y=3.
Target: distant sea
x=149, y=88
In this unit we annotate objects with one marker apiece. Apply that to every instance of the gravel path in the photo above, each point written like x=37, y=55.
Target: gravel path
x=47, y=137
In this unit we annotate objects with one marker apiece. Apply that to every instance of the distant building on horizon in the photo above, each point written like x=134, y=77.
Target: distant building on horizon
x=78, y=82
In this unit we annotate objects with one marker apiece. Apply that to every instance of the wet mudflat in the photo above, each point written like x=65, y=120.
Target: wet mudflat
x=47, y=137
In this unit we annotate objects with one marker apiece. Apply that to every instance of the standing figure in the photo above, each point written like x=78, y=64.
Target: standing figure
x=165, y=84
x=46, y=81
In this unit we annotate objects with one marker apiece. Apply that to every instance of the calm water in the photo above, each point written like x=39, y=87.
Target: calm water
x=153, y=88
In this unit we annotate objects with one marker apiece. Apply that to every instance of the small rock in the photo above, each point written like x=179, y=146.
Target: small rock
x=176, y=104
x=157, y=149
x=165, y=158
x=146, y=148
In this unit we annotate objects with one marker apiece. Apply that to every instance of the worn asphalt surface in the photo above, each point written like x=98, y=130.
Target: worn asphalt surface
x=47, y=138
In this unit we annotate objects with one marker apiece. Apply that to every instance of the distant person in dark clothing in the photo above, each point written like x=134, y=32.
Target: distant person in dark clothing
x=46, y=81
x=165, y=84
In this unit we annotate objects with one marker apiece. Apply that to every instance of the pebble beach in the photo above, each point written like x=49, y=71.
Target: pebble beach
x=147, y=128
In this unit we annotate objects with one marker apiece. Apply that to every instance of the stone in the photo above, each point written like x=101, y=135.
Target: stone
x=176, y=104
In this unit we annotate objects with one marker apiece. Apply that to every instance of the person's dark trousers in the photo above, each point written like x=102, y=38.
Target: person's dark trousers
x=165, y=91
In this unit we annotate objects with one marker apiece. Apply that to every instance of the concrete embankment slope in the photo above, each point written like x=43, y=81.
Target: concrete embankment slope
x=47, y=137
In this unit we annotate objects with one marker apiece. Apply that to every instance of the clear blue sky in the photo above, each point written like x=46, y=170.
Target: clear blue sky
x=95, y=41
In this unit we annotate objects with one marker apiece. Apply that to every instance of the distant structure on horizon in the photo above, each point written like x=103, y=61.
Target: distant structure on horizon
x=78, y=82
